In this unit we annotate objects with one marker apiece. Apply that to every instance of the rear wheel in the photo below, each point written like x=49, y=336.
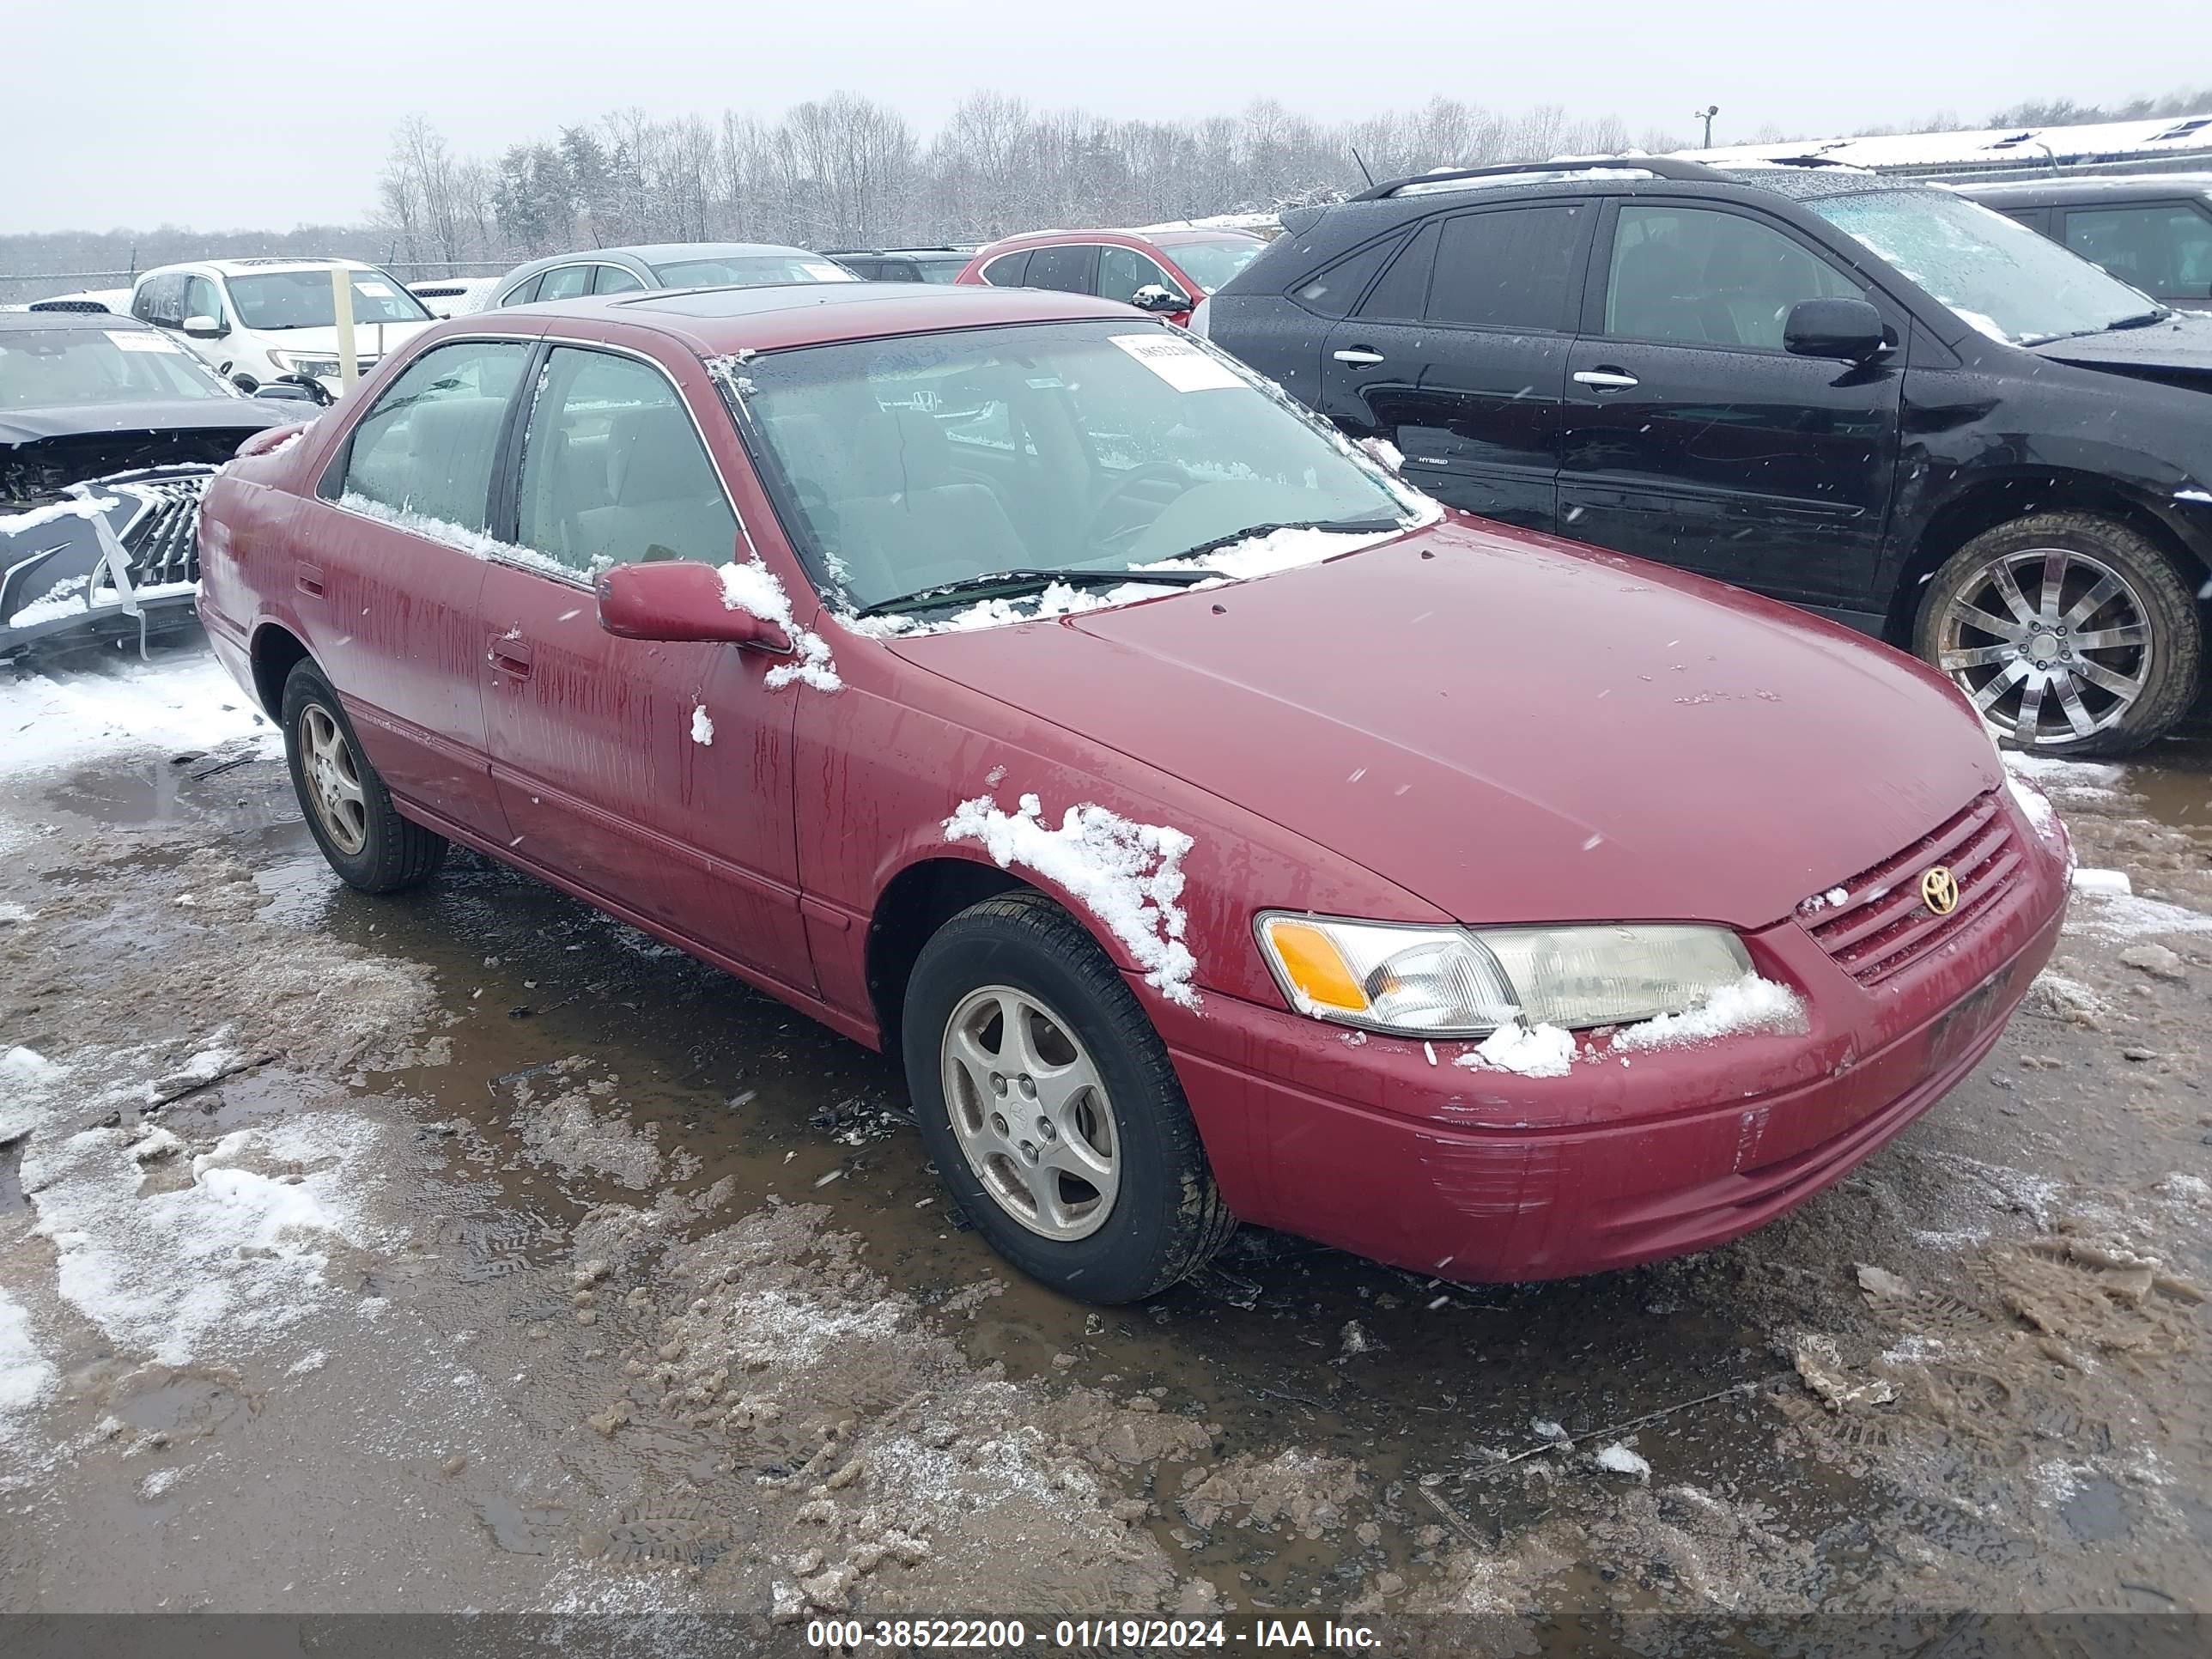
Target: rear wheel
x=2071, y=633
x=1050, y=1107
x=347, y=809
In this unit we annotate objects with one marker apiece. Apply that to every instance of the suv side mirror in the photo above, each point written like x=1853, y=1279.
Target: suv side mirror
x=1155, y=296
x=678, y=602
x=204, y=328
x=1849, y=329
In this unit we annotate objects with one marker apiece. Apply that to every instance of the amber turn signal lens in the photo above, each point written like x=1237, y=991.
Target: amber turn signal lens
x=1312, y=964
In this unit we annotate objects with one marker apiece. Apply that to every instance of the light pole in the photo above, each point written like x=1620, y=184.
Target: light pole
x=1706, y=115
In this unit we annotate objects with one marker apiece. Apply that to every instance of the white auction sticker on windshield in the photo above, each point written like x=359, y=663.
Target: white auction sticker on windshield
x=132, y=340
x=1177, y=361
x=373, y=291
x=825, y=273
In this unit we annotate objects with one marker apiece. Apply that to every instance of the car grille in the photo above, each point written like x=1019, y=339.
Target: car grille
x=161, y=538
x=1882, y=927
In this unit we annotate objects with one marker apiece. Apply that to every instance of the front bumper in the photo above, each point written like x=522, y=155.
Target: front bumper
x=1486, y=1175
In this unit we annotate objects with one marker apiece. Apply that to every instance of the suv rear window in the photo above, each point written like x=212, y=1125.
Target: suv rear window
x=1512, y=268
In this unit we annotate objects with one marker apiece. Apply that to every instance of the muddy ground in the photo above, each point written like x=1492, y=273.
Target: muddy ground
x=469, y=1250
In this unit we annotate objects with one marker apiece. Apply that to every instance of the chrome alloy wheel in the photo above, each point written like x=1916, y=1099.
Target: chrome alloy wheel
x=1030, y=1111
x=2052, y=646
x=333, y=780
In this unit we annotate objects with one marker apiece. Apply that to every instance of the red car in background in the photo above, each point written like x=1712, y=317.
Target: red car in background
x=1166, y=272
x=1216, y=826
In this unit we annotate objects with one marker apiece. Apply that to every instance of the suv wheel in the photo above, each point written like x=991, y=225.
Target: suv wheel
x=347, y=809
x=1049, y=1106
x=2071, y=634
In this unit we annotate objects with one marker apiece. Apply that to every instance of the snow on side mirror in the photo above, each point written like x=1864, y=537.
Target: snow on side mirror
x=679, y=602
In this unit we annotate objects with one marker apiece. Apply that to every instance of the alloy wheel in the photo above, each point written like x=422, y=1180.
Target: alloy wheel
x=2053, y=646
x=1029, y=1111
x=333, y=780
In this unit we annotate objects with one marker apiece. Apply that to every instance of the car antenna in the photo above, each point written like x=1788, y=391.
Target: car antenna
x=1361, y=165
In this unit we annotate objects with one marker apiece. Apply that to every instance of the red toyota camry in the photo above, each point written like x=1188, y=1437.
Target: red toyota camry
x=1216, y=827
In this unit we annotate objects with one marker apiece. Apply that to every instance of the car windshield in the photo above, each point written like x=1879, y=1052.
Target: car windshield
x=942, y=271
x=303, y=299
x=1210, y=265
x=50, y=368
x=905, y=464
x=750, y=270
x=2002, y=277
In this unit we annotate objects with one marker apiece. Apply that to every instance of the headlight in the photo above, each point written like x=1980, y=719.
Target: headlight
x=291, y=362
x=1460, y=982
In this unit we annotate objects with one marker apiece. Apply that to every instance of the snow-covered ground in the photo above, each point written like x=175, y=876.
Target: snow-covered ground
x=182, y=701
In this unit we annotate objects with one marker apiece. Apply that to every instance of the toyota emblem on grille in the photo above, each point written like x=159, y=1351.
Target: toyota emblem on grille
x=1939, y=890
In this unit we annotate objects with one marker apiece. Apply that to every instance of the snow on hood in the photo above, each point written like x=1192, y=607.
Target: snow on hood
x=1517, y=730
x=1128, y=875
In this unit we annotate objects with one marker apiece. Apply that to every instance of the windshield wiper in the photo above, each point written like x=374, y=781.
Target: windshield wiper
x=2142, y=320
x=1253, y=531
x=1025, y=582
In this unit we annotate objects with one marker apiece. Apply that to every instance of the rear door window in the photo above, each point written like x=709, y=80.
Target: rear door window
x=1071, y=268
x=565, y=282
x=1689, y=276
x=1007, y=269
x=1337, y=289
x=1512, y=268
x=2163, y=247
x=613, y=471
x=613, y=279
x=1403, y=293
x=427, y=446
x=522, y=292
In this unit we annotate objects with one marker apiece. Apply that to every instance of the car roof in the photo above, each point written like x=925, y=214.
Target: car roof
x=718, y=320
x=257, y=263
x=1050, y=238
x=23, y=321
x=2132, y=185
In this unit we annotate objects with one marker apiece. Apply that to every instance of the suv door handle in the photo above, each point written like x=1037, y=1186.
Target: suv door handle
x=1605, y=379
x=510, y=653
x=1358, y=356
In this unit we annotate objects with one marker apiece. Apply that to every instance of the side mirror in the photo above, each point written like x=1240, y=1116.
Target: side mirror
x=679, y=602
x=1849, y=329
x=286, y=389
x=246, y=383
x=1154, y=296
x=204, y=328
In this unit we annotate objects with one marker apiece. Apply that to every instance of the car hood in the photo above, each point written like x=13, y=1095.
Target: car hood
x=1513, y=728
x=324, y=342
x=242, y=415
x=2177, y=351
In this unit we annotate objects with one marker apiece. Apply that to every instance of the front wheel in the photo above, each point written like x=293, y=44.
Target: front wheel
x=2071, y=634
x=347, y=809
x=1049, y=1106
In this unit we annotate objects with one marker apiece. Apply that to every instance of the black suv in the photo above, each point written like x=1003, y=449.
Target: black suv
x=2153, y=232
x=1876, y=400
x=902, y=265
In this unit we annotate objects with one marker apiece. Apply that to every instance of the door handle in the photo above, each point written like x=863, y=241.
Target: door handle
x=309, y=579
x=1358, y=356
x=1605, y=379
x=510, y=653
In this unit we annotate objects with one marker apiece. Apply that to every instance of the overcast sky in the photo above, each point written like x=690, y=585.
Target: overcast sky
x=129, y=113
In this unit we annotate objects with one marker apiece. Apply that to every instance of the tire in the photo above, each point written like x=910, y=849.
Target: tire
x=2149, y=607
x=364, y=838
x=1164, y=1217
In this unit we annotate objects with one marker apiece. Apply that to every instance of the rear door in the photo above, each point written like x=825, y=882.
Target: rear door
x=1458, y=356
x=1691, y=437
x=388, y=571
x=656, y=777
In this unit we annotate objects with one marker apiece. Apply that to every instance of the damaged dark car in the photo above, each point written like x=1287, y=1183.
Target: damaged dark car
x=108, y=435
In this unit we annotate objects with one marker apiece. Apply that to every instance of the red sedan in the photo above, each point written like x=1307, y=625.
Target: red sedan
x=1167, y=272
x=1218, y=827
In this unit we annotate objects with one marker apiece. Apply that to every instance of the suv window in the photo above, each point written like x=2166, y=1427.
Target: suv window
x=2163, y=248
x=1123, y=270
x=201, y=299
x=160, y=301
x=1695, y=276
x=613, y=279
x=613, y=471
x=1403, y=293
x=1512, y=268
x=1335, y=291
x=1007, y=269
x=1070, y=269
x=522, y=292
x=428, y=444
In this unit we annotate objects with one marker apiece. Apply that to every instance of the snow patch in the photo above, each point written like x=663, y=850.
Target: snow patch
x=1526, y=1050
x=1749, y=1004
x=703, y=727
x=1128, y=875
x=1820, y=901
x=125, y=707
x=1383, y=452
x=2102, y=881
x=27, y=1376
x=1620, y=1459
x=84, y=507
x=752, y=588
